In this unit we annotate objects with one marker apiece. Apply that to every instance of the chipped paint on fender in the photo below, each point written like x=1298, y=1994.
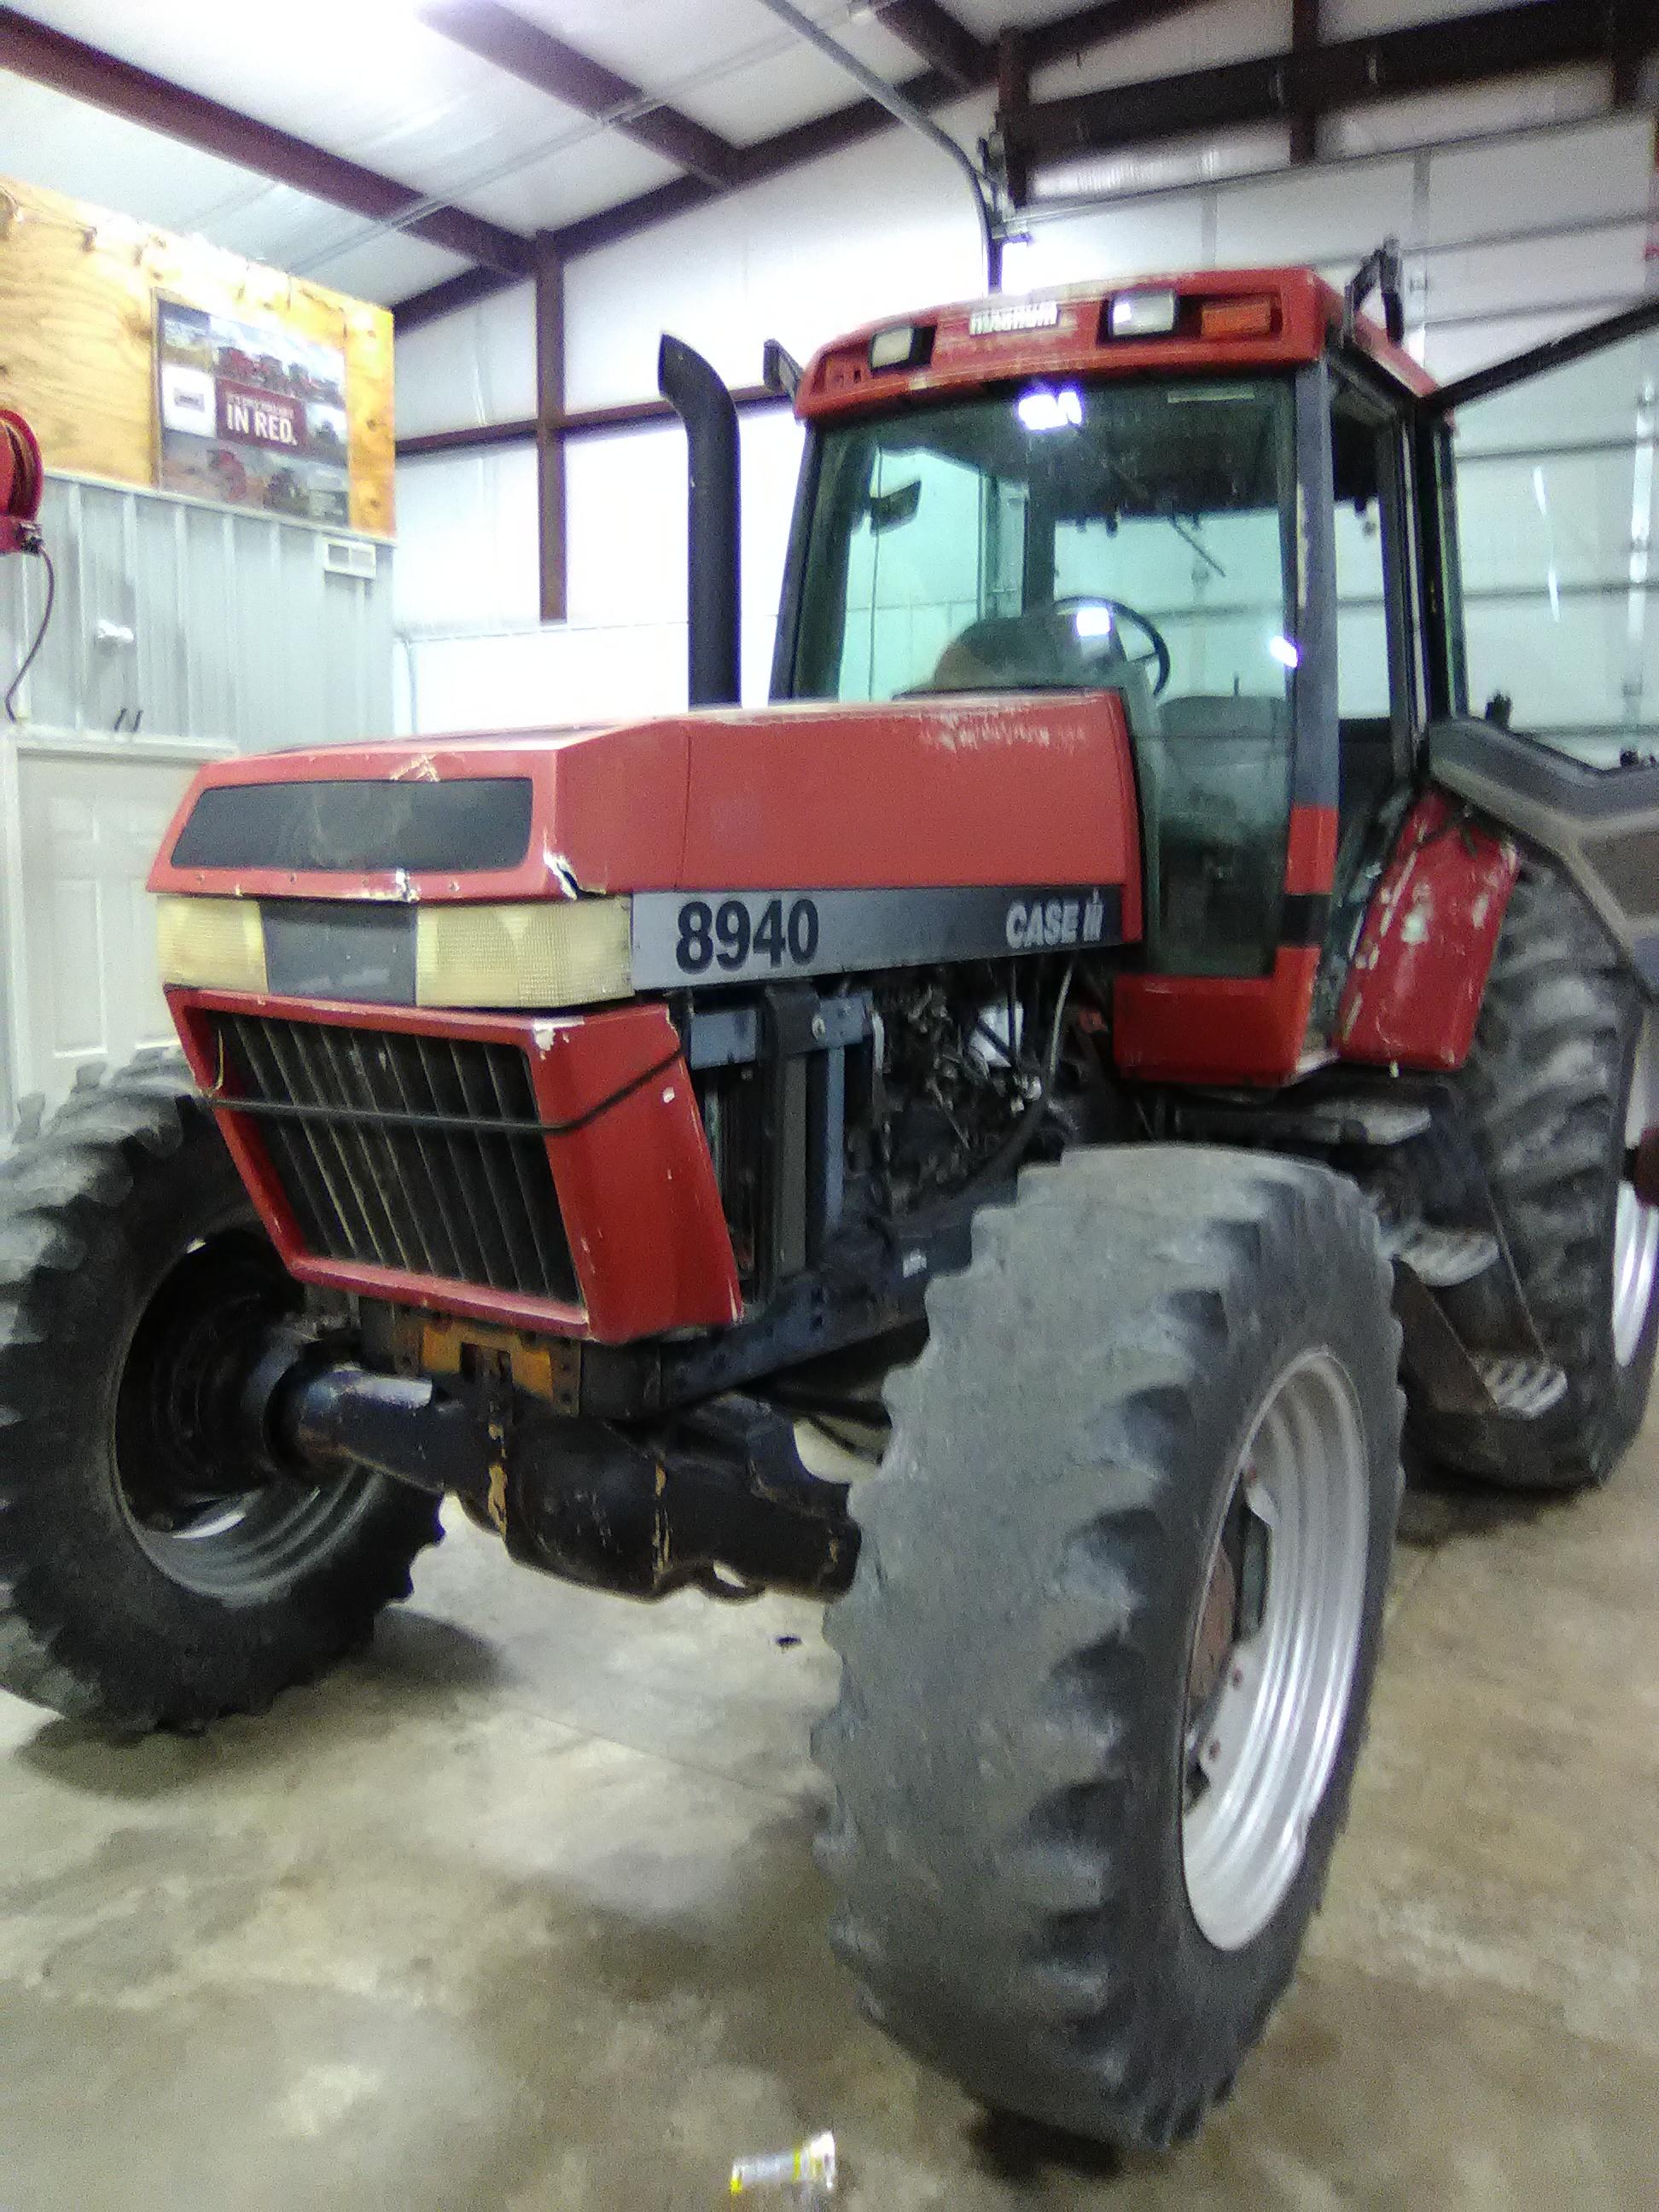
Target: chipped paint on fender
x=1415, y=984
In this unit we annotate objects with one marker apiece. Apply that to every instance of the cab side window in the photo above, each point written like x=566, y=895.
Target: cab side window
x=1378, y=685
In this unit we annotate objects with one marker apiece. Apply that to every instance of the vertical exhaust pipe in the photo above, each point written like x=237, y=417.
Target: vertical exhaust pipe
x=695, y=393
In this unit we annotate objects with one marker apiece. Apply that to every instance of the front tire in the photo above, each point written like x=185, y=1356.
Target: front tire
x=150, y=1574
x=1086, y=1789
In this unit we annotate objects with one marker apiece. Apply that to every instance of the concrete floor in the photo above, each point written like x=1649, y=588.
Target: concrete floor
x=519, y=1912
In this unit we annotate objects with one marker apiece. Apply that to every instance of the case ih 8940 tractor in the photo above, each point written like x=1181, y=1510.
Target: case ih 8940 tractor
x=1112, y=1019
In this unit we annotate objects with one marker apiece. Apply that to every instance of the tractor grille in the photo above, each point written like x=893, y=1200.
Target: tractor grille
x=414, y=1152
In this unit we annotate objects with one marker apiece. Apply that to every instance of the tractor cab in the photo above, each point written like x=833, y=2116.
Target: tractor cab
x=1228, y=498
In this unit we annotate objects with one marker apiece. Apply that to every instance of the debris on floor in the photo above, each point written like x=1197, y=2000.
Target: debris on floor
x=804, y=2176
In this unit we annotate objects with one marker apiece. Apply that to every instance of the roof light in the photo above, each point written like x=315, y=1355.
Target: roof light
x=1043, y=410
x=1143, y=314
x=906, y=345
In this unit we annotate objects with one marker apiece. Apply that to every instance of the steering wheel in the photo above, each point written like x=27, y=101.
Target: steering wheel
x=1110, y=647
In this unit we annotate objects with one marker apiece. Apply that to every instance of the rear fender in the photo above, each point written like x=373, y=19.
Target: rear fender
x=1413, y=995
x=1600, y=824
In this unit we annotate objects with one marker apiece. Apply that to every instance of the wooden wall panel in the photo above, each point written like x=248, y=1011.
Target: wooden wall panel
x=77, y=322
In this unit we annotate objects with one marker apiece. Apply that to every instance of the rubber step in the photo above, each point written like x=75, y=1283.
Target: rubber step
x=1444, y=1257
x=1379, y=1122
x=1335, y=1124
x=1526, y=1388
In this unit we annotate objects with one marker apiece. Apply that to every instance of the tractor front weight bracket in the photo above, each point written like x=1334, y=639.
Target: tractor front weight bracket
x=717, y=1498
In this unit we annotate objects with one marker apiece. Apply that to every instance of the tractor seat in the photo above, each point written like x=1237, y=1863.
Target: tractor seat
x=1213, y=716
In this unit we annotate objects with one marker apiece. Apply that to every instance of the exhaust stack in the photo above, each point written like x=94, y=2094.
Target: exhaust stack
x=695, y=392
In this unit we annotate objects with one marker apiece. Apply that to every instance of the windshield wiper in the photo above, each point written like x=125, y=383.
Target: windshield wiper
x=1136, y=489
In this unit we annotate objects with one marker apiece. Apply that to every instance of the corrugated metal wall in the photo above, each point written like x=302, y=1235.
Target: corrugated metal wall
x=200, y=622
x=200, y=632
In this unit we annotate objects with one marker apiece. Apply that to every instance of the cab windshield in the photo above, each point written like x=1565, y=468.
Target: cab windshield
x=1138, y=536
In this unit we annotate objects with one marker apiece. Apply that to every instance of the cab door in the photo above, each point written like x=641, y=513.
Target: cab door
x=1537, y=484
x=1541, y=470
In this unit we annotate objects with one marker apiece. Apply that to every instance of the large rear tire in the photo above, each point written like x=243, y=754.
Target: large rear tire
x=148, y=1576
x=1563, y=1071
x=1108, y=1654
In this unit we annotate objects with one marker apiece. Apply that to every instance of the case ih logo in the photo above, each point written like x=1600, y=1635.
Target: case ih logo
x=994, y=322
x=1034, y=923
x=259, y=418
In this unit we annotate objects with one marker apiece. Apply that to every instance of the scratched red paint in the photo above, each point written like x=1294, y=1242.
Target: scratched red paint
x=636, y=1185
x=998, y=789
x=1413, y=991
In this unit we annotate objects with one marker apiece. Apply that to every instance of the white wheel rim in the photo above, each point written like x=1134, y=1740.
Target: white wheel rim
x=1261, y=1747
x=1635, y=1226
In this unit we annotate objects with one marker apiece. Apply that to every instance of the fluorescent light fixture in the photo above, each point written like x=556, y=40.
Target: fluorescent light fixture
x=1093, y=622
x=892, y=348
x=1287, y=654
x=1143, y=314
x=1043, y=410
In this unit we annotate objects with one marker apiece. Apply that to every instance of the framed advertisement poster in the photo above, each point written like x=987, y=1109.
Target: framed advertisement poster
x=251, y=415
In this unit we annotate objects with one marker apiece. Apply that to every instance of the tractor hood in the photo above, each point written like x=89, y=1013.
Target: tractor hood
x=1030, y=790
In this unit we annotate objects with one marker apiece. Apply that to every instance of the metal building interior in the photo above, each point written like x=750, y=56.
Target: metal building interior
x=518, y=1906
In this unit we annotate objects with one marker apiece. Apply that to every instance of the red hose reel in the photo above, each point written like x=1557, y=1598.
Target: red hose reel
x=21, y=480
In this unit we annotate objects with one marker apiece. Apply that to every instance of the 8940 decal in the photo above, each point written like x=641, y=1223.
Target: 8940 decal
x=765, y=936
x=741, y=934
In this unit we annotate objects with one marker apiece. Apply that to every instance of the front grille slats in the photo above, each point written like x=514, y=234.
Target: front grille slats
x=418, y=1228
x=512, y=1246
x=523, y=1178
x=306, y=1066
x=357, y=1146
x=429, y=1167
x=338, y=1217
x=342, y=1114
x=443, y=1089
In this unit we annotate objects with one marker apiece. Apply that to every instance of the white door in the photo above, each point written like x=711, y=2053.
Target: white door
x=84, y=974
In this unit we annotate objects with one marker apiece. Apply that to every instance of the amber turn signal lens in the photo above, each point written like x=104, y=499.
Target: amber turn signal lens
x=1255, y=318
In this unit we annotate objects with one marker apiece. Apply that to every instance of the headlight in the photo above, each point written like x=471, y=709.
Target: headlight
x=565, y=952
x=554, y=954
x=215, y=943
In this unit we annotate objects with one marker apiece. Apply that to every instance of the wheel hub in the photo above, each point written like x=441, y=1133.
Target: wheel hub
x=1273, y=1650
x=1217, y=1628
x=177, y=1443
x=202, y=1504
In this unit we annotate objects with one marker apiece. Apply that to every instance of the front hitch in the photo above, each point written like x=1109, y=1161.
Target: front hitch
x=717, y=1500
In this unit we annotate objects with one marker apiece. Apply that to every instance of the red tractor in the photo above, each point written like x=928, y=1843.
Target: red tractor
x=980, y=1140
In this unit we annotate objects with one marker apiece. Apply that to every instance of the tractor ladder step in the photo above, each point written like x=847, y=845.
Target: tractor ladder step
x=1443, y=1258
x=1525, y=1387
x=1379, y=1122
x=1357, y=1122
